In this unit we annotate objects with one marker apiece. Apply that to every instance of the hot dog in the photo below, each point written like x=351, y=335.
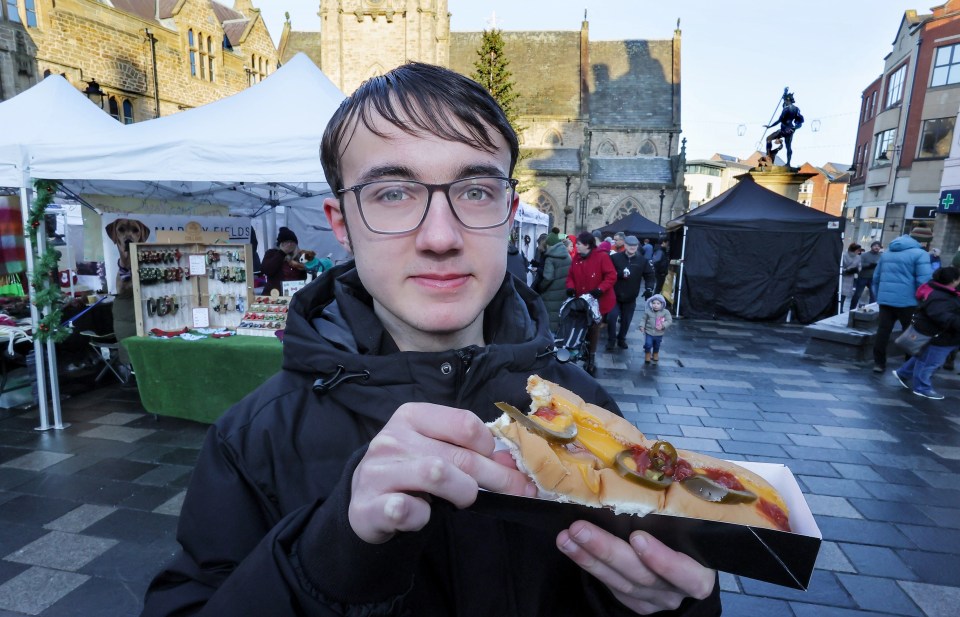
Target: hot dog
x=579, y=452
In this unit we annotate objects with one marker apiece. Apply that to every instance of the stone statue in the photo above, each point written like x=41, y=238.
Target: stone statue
x=790, y=120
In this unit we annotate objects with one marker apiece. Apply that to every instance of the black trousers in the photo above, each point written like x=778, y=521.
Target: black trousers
x=889, y=315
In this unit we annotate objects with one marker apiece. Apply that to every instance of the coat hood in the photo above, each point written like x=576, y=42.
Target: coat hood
x=903, y=243
x=663, y=301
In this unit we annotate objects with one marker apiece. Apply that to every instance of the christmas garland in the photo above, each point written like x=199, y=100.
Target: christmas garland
x=46, y=296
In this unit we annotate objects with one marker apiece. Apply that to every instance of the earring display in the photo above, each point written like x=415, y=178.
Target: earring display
x=190, y=285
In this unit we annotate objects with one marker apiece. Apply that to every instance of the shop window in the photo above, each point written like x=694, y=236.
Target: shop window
x=895, y=86
x=192, y=43
x=946, y=66
x=936, y=137
x=127, y=112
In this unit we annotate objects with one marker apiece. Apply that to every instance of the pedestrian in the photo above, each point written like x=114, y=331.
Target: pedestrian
x=868, y=263
x=281, y=264
x=656, y=320
x=647, y=249
x=934, y=259
x=634, y=274
x=619, y=242
x=517, y=263
x=339, y=486
x=938, y=316
x=553, y=284
x=592, y=273
x=849, y=267
x=902, y=269
x=661, y=264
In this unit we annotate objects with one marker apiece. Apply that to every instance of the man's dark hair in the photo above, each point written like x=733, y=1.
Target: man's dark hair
x=418, y=99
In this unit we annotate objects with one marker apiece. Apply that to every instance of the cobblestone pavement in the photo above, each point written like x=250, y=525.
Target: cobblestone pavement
x=89, y=513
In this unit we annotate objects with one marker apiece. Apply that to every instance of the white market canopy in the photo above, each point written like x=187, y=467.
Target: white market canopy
x=53, y=111
x=250, y=151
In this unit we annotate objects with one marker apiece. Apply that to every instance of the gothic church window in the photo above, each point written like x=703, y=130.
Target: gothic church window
x=607, y=149
x=648, y=149
x=127, y=112
x=114, y=107
x=552, y=138
x=627, y=206
x=192, y=43
x=210, y=57
x=545, y=204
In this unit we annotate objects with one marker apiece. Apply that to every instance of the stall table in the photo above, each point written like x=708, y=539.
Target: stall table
x=199, y=380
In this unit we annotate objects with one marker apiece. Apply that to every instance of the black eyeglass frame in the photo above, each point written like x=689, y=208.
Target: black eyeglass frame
x=431, y=190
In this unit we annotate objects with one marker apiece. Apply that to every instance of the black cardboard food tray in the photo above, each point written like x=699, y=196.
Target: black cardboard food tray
x=778, y=557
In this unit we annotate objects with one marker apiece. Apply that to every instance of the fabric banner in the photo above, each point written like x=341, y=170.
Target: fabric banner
x=13, y=257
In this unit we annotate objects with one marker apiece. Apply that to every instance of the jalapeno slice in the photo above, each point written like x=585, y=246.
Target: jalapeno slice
x=566, y=435
x=663, y=455
x=709, y=490
x=650, y=478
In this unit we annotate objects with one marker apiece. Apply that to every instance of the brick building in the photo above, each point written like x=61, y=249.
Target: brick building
x=601, y=118
x=147, y=56
x=827, y=189
x=905, y=132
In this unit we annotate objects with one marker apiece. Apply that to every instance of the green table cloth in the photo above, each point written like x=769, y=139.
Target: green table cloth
x=199, y=380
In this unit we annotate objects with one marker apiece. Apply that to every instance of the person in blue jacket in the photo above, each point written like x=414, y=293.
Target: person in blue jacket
x=903, y=268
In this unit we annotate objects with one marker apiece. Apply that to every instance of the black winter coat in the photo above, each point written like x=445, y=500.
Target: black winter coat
x=940, y=315
x=642, y=276
x=264, y=529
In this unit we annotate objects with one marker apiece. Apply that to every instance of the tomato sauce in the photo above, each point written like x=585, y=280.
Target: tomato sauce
x=724, y=478
x=546, y=413
x=775, y=514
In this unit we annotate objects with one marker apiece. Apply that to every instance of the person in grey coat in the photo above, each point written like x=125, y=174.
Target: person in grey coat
x=553, y=286
x=849, y=267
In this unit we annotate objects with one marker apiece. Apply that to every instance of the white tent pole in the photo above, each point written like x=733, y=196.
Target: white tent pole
x=51, y=346
x=34, y=313
x=683, y=253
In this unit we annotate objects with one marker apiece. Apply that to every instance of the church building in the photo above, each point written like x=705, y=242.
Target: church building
x=600, y=119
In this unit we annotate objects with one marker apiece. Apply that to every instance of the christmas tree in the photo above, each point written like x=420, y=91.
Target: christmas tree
x=492, y=72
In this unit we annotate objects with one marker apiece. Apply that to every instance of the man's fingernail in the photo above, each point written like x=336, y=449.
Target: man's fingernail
x=582, y=536
x=530, y=490
x=639, y=542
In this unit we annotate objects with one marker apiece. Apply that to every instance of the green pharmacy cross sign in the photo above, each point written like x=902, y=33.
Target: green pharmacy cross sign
x=949, y=202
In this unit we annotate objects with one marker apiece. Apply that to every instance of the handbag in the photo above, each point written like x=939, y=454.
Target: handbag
x=912, y=340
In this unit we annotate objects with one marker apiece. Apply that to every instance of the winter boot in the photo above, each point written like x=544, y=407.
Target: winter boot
x=646, y=357
x=656, y=357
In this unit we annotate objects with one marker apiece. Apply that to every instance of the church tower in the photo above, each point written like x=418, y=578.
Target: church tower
x=399, y=31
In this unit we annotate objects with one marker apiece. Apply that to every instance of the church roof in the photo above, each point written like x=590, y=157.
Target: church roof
x=301, y=41
x=144, y=9
x=234, y=29
x=234, y=23
x=563, y=160
x=623, y=170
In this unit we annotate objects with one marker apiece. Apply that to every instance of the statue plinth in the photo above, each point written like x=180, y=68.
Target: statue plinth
x=780, y=179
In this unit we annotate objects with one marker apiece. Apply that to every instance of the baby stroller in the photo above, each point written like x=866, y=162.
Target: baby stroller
x=576, y=316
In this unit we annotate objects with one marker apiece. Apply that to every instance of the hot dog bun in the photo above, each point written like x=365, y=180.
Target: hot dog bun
x=588, y=471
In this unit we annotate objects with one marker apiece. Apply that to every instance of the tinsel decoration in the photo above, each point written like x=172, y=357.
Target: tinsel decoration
x=47, y=296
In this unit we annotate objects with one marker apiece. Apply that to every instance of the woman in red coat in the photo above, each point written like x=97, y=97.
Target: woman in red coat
x=592, y=272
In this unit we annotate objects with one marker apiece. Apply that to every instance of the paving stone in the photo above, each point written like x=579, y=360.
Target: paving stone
x=831, y=506
x=101, y=597
x=704, y=432
x=823, y=589
x=79, y=518
x=34, y=510
x=172, y=506
x=830, y=557
x=863, y=532
x=856, y=433
x=933, y=539
x=877, y=594
x=697, y=444
x=36, y=461
x=948, y=452
x=839, y=487
x=118, y=433
x=877, y=561
x=739, y=434
x=37, y=588
x=134, y=526
x=117, y=418
x=686, y=411
x=857, y=472
x=934, y=600
x=846, y=413
x=935, y=568
x=61, y=551
x=942, y=517
x=816, y=441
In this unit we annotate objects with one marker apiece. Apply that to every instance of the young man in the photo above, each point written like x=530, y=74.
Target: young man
x=342, y=486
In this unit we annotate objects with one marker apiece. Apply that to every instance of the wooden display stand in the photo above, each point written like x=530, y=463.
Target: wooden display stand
x=192, y=283
x=266, y=315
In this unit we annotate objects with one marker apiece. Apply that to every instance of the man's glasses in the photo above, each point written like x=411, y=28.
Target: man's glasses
x=400, y=206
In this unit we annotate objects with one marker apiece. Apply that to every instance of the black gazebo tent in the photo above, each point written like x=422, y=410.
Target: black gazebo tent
x=753, y=254
x=633, y=224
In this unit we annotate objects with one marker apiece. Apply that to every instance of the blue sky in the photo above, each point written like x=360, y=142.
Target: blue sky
x=737, y=56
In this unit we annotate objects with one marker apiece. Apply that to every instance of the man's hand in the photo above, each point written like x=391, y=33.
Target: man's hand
x=645, y=575
x=426, y=451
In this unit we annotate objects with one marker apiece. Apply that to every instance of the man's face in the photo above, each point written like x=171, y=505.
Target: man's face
x=431, y=285
x=631, y=249
x=618, y=241
x=875, y=248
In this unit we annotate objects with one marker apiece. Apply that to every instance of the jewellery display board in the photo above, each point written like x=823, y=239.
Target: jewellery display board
x=266, y=315
x=178, y=286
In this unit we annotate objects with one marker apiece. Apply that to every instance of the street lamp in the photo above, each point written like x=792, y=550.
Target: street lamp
x=567, y=210
x=660, y=216
x=93, y=90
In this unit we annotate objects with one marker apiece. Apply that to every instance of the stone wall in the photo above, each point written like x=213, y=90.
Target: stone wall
x=84, y=40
